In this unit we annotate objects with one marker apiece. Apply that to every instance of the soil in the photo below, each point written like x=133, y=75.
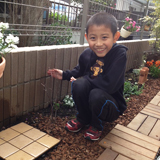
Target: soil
x=73, y=146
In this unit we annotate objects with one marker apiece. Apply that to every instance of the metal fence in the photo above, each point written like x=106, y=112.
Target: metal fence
x=55, y=22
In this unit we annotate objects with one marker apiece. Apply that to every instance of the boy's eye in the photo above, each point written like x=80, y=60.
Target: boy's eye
x=92, y=38
x=105, y=37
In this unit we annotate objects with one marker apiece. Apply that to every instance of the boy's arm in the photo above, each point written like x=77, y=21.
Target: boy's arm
x=76, y=72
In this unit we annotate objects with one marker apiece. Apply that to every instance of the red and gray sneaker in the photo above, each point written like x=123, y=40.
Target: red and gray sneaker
x=92, y=134
x=73, y=126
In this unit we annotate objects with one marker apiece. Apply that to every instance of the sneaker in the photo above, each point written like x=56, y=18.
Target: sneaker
x=92, y=134
x=73, y=126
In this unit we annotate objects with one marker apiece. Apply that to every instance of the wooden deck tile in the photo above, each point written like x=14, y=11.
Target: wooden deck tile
x=155, y=133
x=151, y=113
x=130, y=143
x=108, y=155
x=122, y=150
x=155, y=100
x=138, y=135
x=147, y=126
x=120, y=157
x=137, y=121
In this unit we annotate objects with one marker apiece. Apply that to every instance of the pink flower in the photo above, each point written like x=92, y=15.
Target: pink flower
x=133, y=25
x=134, y=22
x=127, y=19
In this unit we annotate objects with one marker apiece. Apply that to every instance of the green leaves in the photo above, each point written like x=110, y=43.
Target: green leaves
x=131, y=89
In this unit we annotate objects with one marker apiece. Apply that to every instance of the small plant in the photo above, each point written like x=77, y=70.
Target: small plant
x=131, y=89
x=130, y=25
x=154, y=68
x=54, y=106
x=68, y=101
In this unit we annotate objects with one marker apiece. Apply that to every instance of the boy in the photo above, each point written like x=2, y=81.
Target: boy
x=98, y=94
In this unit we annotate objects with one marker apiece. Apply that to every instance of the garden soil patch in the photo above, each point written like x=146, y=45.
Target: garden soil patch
x=73, y=146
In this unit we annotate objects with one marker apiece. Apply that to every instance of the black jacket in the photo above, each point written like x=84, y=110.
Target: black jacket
x=106, y=73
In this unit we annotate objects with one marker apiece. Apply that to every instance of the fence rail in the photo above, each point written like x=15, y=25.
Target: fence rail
x=21, y=89
x=32, y=20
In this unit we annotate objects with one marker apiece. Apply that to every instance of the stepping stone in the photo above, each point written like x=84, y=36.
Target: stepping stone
x=22, y=141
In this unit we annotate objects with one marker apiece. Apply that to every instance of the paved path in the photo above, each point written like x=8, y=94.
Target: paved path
x=140, y=140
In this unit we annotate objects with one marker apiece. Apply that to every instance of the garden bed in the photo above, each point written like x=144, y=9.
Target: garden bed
x=72, y=145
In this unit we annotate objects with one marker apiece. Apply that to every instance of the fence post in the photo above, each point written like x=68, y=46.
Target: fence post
x=84, y=20
x=145, y=14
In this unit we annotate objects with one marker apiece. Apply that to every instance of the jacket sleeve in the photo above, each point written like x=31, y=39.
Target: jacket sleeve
x=76, y=72
x=113, y=79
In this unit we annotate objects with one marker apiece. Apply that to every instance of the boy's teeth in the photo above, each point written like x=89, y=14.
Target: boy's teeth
x=99, y=49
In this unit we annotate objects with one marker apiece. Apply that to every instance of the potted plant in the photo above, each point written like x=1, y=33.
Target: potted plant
x=129, y=27
x=148, y=21
x=7, y=43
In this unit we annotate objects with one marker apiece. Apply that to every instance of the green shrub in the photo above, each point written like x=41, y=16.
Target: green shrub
x=131, y=89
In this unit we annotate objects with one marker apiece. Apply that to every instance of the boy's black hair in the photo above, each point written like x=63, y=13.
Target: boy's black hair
x=103, y=18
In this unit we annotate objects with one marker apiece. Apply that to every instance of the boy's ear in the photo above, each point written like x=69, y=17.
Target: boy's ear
x=86, y=36
x=116, y=36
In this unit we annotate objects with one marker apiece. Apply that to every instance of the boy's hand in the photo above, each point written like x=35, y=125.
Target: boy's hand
x=72, y=79
x=56, y=73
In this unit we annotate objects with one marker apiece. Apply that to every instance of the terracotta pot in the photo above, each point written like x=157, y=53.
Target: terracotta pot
x=124, y=33
x=2, y=66
x=146, y=28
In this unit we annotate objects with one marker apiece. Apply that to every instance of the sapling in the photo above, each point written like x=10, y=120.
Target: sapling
x=54, y=106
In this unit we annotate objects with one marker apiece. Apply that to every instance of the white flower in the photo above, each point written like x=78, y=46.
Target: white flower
x=1, y=35
x=4, y=26
x=12, y=39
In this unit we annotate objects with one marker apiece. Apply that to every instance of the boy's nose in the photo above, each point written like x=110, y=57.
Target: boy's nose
x=99, y=42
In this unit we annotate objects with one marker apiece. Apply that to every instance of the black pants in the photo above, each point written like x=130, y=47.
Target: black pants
x=94, y=105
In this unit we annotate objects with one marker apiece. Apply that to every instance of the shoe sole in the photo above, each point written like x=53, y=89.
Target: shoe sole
x=88, y=138
x=72, y=130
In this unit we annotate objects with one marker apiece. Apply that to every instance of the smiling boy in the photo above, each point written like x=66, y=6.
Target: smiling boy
x=98, y=91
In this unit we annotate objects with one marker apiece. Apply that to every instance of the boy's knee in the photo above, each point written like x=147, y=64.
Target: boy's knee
x=80, y=85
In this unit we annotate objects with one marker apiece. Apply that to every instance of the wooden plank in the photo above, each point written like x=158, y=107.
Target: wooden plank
x=147, y=125
x=27, y=66
x=155, y=100
x=121, y=157
x=33, y=65
x=155, y=133
x=14, y=98
x=153, y=108
x=151, y=112
x=66, y=65
x=42, y=92
x=41, y=63
x=138, y=135
x=122, y=150
x=6, y=103
x=130, y=145
x=20, y=100
x=133, y=139
x=31, y=94
x=48, y=87
x=73, y=62
x=37, y=93
x=26, y=97
x=7, y=71
x=59, y=65
x=108, y=155
x=21, y=67
x=51, y=56
x=1, y=105
x=137, y=121
x=14, y=68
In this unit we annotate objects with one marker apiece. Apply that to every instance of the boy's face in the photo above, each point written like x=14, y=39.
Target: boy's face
x=100, y=39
